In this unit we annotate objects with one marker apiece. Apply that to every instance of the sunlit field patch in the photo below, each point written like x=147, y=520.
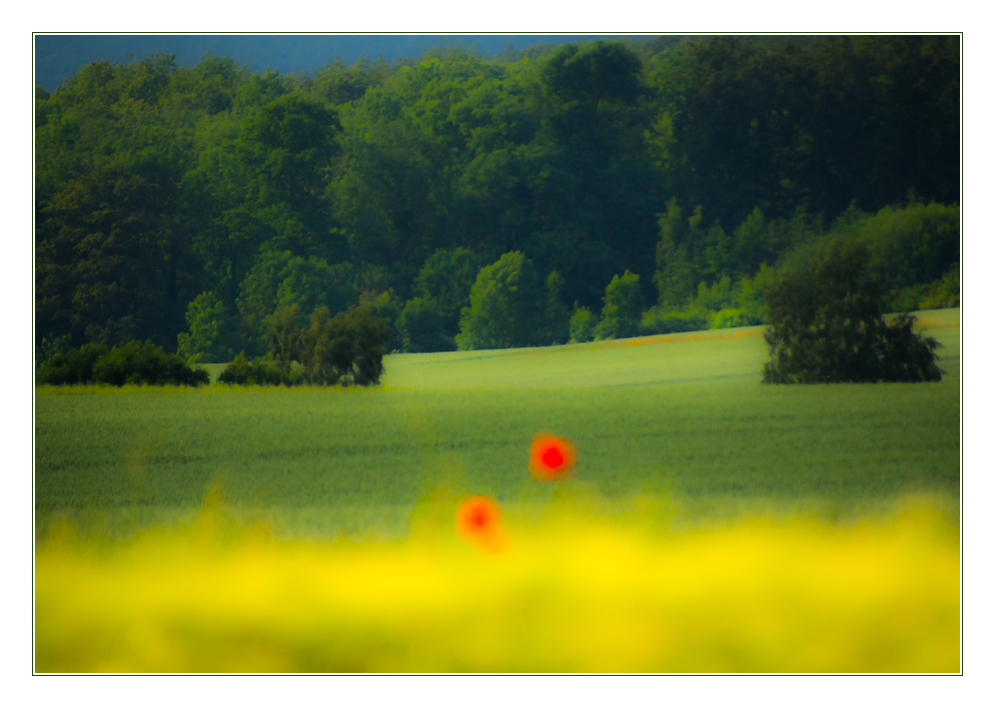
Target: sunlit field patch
x=573, y=591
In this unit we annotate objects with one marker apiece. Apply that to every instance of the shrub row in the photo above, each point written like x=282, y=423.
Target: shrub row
x=260, y=371
x=129, y=363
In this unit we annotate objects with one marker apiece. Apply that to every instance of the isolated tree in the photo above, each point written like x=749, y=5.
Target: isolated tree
x=825, y=323
x=347, y=348
x=505, y=306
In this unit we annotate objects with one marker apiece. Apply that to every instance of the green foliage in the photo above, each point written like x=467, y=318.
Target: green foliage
x=742, y=124
x=675, y=273
x=750, y=297
x=128, y=363
x=258, y=371
x=347, y=348
x=582, y=325
x=49, y=347
x=145, y=363
x=556, y=316
x=72, y=367
x=825, y=323
x=447, y=277
x=729, y=317
x=422, y=325
x=280, y=280
x=107, y=254
x=286, y=340
x=659, y=321
x=312, y=282
x=942, y=293
x=620, y=315
x=258, y=297
x=502, y=311
x=716, y=297
x=758, y=241
x=594, y=72
x=213, y=332
x=156, y=183
x=912, y=245
x=289, y=142
x=387, y=306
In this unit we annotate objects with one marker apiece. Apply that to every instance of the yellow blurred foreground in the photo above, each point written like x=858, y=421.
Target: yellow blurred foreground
x=568, y=594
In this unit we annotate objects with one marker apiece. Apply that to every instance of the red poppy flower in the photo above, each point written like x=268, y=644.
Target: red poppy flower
x=477, y=519
x=550, y=457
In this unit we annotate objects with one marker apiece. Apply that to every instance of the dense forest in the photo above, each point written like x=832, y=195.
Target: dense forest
x=186, y=206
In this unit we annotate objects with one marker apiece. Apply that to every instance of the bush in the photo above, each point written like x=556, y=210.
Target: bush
x=72, y=367
x=911, y=245
x=145, y=363
x=422, y=326
x=620, y=315
x=128, y=363
x=942, y=293
x=582, y=325
x=732, y=317
x=259, y=371
x=826, y=324
x=655, y=322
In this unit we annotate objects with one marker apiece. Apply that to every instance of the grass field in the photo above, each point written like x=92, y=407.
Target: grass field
x=680, y=416
x=711, y=523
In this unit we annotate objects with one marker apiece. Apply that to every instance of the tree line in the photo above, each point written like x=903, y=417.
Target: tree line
x=196, y=207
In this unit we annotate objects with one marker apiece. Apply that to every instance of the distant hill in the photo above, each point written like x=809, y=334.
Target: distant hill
x=57, y=56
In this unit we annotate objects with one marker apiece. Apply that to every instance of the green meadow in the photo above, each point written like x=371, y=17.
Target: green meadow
x=681, y=418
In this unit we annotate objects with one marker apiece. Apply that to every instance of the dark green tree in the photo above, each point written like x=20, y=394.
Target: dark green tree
x=287, y=339
x=825, y=323
x=505, y=306
x=213, y=334
x=347, y=348
x=422, y=325
x=447, y=277
x=556, y=316
x=675, y=275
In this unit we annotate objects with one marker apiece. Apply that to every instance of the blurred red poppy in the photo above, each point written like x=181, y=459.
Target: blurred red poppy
x=477, y=519
x=550, y=457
